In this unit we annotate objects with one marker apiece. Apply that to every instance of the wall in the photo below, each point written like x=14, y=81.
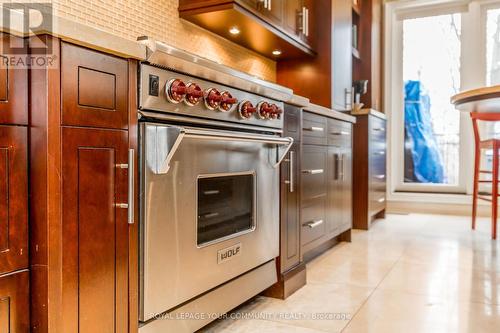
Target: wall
x=160, y=19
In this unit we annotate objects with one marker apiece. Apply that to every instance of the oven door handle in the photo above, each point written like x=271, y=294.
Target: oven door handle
x=173, y=136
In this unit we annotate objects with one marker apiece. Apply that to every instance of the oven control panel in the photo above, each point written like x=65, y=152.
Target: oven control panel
x=168, y=91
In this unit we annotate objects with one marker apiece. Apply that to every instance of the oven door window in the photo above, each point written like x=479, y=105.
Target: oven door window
x=226, y=207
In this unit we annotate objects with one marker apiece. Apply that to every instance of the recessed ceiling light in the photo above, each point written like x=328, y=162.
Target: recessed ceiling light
x=234, y=31
x=276, y=52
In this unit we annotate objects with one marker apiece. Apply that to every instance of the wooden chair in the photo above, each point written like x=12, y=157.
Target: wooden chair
x=493, y=144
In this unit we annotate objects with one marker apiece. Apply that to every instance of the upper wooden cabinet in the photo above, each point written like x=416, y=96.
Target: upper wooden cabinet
x=342, y=55
x=325, y=79
x=13, y=86
x=94, y=88
x=264, y=25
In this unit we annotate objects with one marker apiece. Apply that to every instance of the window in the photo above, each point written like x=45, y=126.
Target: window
x=431, y=75
x=434, y=49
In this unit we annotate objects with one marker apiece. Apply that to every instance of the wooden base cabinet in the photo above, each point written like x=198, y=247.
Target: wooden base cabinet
x=14, y=254
x=369, y=168
x=84, y=239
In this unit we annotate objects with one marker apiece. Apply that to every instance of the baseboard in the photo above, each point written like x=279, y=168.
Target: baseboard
x=407, y=207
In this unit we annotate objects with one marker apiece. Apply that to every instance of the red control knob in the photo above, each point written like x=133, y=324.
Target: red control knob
x=246, y=109
x=212, y=99
x=194, y=94
x=175, y=90
x=265, y=110
x=227, y=101
x=276, y=114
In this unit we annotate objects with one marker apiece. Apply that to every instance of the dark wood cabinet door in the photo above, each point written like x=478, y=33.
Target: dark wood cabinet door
x=14, y=303
x=292, y=17
x=95, y=231
x=13, y=198
x=94, y=88
x=342, y=55
x=13, y=86
x=275, y=9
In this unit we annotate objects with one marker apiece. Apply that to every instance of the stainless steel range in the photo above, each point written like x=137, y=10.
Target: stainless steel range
x=210, y=147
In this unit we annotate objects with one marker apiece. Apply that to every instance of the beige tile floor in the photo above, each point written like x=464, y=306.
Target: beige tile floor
x=409, y=273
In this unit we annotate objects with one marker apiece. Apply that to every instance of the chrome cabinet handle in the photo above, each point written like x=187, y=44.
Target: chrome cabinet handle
x=291, y=179
x=313, y=171
x=211, y=192
x=380, y=176
x=303, y=20
x=381, y=152
x=314, y=129
x=306, y=27
x=131, y=185
x=342, y=163
x=341, y=133
x=130, y=197
x=314, y=224
x=379, y=129
x=348, y=101
x=210, y=215
x=381, y=200
x=337, y=167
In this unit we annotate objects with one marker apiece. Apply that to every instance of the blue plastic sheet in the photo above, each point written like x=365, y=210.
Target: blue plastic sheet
x=427, y=161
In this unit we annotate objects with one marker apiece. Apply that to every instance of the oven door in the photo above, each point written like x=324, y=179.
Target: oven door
x=210, y=210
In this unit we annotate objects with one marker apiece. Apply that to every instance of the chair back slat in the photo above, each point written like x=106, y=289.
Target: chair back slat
x=481, y=116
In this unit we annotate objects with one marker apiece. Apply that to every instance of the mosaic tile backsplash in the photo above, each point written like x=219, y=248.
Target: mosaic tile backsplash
x=160, y=20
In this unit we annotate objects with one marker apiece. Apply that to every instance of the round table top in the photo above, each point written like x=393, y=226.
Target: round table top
x=486, y=99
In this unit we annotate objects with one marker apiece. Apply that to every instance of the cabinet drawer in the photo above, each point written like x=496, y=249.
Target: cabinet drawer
x=14, y=303
x=94, y=88
x=314, y=172
x=13, y=198
x=313, y=222
x=13, y=86
x=377, y=129
x=314, y=129
x=339, y=133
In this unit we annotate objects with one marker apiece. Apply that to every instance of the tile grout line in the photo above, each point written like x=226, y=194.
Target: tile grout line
x=373, y=291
